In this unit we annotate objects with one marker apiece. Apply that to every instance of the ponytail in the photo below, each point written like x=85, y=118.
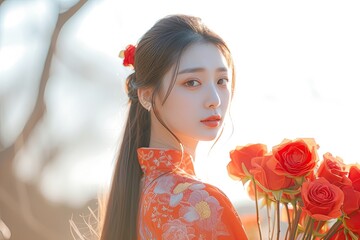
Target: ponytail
x=159, y=49
x=120, y=219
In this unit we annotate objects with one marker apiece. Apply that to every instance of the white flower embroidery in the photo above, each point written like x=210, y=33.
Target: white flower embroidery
x=177, y=230
x=164, y=185
x=203, y=209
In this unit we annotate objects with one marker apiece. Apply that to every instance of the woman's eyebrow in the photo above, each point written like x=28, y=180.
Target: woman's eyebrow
x=199, y=69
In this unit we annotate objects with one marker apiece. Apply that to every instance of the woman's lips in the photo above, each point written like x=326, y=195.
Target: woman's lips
x=212, y=121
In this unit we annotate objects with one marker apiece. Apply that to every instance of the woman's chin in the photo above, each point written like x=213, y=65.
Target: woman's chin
x=209, y=138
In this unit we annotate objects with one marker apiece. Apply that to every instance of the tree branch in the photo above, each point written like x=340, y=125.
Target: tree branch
x=9, y=153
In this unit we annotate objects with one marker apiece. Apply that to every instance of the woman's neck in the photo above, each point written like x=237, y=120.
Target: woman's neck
x=159, y=143
x=160, y=137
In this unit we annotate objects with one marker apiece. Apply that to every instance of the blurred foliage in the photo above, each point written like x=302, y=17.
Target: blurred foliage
x=25, y=213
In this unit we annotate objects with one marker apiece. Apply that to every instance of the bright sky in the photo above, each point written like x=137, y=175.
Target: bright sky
x=297, y=68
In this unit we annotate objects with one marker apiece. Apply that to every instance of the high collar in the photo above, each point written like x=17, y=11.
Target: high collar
x=155, y=161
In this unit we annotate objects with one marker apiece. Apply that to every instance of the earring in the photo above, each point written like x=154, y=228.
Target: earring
x=148, y=108
x=146, y=105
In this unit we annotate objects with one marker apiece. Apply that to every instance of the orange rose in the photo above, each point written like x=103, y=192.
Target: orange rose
x=333, y=169
x=266, y=176
x=322, y=200
x=354, y=175
x=295, y=158
x=242, y=155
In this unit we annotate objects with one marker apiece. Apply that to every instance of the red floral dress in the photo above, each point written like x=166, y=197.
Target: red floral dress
x=175, y=205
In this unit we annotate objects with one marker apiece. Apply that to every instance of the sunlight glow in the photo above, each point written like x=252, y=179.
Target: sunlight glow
x=12, y=18
x=297, y=69
x=10, y=56
x=290, y=61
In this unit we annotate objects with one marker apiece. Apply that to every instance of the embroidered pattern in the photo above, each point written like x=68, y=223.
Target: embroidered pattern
x=176, y=205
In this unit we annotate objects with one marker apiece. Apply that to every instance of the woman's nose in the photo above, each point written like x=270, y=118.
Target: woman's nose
x=213, y=98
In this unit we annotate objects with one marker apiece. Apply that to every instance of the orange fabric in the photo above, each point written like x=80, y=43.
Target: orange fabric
x=175, y=205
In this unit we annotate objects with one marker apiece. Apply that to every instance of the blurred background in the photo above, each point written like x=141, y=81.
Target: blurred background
x=62, y=99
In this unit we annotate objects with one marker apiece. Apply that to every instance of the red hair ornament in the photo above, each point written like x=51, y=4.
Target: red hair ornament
x=128, y=55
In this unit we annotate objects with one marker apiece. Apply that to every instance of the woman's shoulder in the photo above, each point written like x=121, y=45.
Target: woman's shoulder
x=186, y=197
x=176, y=186
x=180, y=201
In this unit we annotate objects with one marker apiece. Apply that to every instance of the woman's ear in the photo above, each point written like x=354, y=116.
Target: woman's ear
x=145, y=95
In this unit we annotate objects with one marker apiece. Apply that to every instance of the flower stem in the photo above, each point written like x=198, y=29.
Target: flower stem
x=288, y=218
x=309, y=228
x=274, y=223
x=332, y=230
x=296, y=221
x=278, y=219
x=257, y=209
x=268, y=215
x=318, y=227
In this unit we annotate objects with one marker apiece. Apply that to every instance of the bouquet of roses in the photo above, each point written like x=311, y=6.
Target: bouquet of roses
x=320, y=198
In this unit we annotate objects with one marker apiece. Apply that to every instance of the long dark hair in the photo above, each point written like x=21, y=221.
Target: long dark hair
x=157, y=51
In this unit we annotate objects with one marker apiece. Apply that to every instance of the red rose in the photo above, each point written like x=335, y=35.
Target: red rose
x=333, y=169
x=354, y=175
x=322, y=200
x=266, y=176
x=295, y=158
x=353, y=222
x=242, y=155
x=351, y=199
x=341, y=235
x=129, y=55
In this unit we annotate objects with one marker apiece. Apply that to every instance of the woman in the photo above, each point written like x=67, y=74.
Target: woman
x=179, y=94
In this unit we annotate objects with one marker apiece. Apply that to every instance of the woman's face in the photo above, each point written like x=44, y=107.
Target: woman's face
x=197, y=104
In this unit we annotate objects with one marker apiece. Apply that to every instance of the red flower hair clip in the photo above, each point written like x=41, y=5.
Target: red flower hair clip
x=128, y=55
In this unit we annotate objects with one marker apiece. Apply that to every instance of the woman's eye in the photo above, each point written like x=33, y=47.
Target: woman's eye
x=223, y=81
x=192, y=83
